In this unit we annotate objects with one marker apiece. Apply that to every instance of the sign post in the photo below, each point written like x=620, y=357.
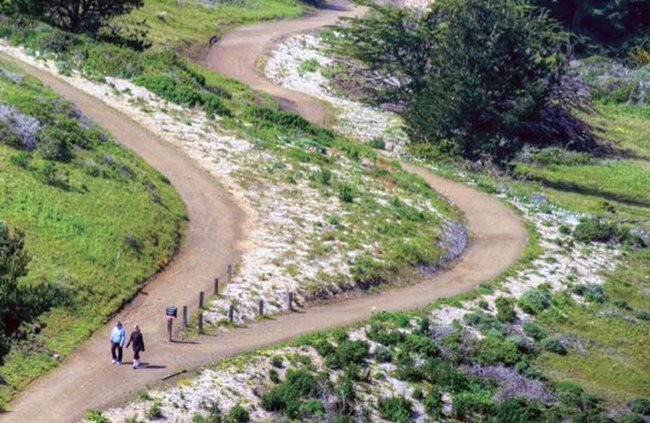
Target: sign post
x=172, y=313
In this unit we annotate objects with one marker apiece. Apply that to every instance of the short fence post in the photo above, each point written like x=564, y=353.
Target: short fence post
x=200, y=322
x=260, y=307
x=290, y=301
x=169, y=328
x=229, y=273
x=216, y=286
x=231, y=313
x=201, y=299
x=184, y=316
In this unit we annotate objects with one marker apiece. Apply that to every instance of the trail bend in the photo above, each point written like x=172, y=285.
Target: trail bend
x=87, y=379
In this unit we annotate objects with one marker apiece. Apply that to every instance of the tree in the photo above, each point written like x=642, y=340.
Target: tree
x=603, y=21
x=77, y=15
x=477, y=78
x=19, y=304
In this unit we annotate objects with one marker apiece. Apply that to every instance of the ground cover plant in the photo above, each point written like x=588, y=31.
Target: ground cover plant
x=97, y=222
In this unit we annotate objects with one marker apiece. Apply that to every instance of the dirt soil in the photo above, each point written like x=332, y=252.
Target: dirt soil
x=87, y=379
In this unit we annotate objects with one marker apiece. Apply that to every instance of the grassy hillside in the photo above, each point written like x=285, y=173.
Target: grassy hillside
x=173, y=22
x=97, y=220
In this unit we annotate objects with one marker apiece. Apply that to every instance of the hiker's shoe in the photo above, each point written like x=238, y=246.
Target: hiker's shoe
x=114, y=361
x=119, y=362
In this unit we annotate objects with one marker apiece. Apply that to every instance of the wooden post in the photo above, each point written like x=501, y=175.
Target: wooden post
x=229, y=273
x=231, y=313
x=260, y=307
x=290, y=301
x=216, y=286
x=169, y=328
x=201, y=299
x=200, y=322
x=184, y=316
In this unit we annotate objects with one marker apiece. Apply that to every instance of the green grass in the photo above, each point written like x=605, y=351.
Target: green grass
x=174, y=22
x=614, y=362
x=78, y=234
x=621, y=183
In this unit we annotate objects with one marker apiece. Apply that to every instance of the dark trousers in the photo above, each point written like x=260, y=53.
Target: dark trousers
x=115, y=346
x=136, y=354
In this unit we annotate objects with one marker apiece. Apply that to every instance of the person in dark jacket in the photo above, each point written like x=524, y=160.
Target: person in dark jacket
x=138, y=345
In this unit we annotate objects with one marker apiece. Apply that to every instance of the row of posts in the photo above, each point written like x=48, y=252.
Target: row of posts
x=231, y=309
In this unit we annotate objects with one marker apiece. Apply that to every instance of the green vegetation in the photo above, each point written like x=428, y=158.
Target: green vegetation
x=174, y=23
x=477, y=79
x=98, y=222
x=601, y=24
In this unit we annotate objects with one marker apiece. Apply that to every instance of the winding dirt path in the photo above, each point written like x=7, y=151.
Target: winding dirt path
x=88, y=380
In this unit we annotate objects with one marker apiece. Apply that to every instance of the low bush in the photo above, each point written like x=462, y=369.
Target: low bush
x=505, y=310
x=495, y=350
x=433, y=404
x=484, y=322
x=558, y=156
x=238, y=414
x=287, y=396
x=640, y=406
x=591, y=292
x=553, y=344
x=594, y=230
x=534, y=301
x=518, y=410
x=96, y=416
x=473, y=406
x=383, y=355
x=312, y=408
x=347, y=353
x=534, y=331
x=395, y=409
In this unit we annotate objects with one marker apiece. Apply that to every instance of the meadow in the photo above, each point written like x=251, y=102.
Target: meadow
x=98, y=222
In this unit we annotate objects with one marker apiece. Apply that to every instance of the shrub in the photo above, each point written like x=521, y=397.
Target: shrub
x=347, y=353
x=467, y=406
x=345, y=193
x=274, y=376
x=433, y=404
x=170, y=89
x=438, y=372
x=640, y=406
x=591, y=292
x=383, y=355
x=518, y=410
x=286, y=396
x=312, y=408
x=484, y=322
x=535, y=301
x=238, y=414
x=20, y=159
x=594, y=229
x=559, y=156
x=494, y=350
x=277, y=361
x=553, y=344
x=213, y=105
x=323, y=177
x=395, y=409
x=53, y=144
x=96, y=416
x=422, y=345
x=534, y=331
x=377, y=143
x=505, y=310
x=153, y=412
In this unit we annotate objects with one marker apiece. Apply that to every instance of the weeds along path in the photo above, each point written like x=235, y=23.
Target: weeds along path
x=87, y=379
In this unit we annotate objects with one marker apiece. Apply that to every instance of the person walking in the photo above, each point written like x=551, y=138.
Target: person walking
x=118, y=336
x=138, y=345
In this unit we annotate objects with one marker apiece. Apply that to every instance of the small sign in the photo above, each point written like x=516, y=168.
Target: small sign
x=171, y=311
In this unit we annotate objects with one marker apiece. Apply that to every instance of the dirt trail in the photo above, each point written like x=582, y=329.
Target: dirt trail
x=88, y=380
